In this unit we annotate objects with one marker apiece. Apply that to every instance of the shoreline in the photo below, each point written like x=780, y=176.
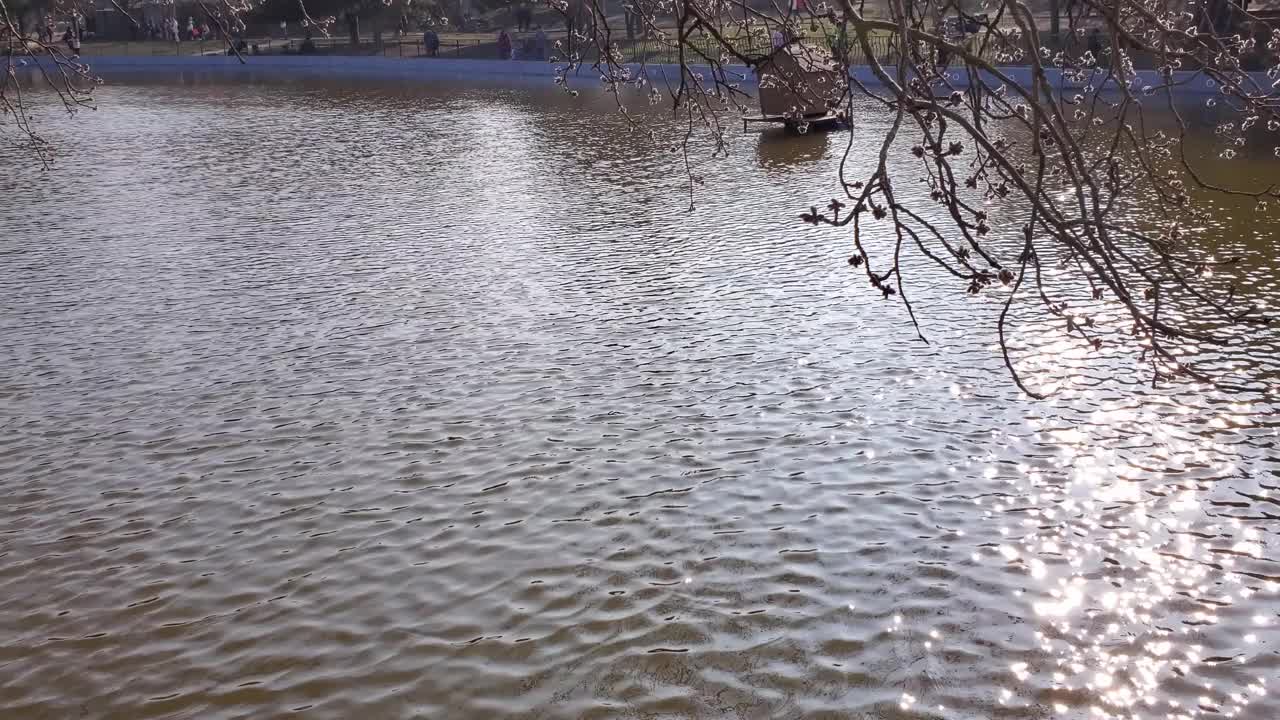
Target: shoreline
x=425, y=69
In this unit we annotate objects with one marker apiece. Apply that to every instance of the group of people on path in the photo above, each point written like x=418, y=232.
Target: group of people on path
x=72, y=36
x=166, y=29
x=169, y=29
x=534, y=47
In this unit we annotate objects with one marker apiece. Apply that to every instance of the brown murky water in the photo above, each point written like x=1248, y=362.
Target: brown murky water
x=379, y=402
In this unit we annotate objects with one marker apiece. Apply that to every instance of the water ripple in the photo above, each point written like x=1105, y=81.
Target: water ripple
x=412, y=402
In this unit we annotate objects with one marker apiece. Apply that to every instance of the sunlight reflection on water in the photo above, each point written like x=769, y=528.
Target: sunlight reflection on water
x=438, y=402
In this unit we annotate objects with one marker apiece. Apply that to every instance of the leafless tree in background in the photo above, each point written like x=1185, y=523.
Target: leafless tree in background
x=988, y=104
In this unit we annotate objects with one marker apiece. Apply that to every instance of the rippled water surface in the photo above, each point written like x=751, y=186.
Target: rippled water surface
x=382, y=402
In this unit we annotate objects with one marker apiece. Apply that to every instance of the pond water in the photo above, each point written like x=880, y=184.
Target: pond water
x=389, y=402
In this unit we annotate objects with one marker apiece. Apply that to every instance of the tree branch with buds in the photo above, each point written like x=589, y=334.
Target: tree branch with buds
x=1052, y=133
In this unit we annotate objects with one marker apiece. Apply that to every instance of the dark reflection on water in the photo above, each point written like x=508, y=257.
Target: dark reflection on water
x=779, y=151
x=385, y=402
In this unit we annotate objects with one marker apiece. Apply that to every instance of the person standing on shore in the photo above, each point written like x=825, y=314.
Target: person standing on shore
x=504, y=45
x=72, y=36
x=540, y=43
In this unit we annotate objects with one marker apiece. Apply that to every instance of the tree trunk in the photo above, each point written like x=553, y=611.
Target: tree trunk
x=1055, y=21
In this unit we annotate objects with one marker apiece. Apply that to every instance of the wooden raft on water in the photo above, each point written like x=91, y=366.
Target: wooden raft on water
x=796, y=89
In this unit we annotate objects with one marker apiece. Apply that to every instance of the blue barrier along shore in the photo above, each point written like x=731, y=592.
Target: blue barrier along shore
x=431, y=69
